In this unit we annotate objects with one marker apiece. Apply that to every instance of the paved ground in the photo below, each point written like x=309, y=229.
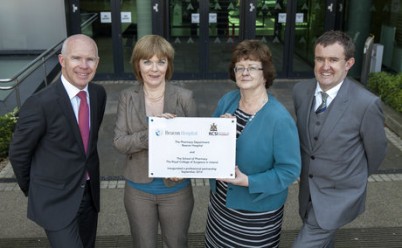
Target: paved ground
x=379, y=226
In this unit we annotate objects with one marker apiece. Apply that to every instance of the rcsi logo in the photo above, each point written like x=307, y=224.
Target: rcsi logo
x=213, y=128
x=213, y=131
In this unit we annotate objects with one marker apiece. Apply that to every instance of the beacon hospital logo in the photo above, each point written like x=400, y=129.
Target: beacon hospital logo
x=158, y=132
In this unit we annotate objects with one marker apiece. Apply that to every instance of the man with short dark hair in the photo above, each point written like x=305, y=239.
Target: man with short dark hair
x=342, y=138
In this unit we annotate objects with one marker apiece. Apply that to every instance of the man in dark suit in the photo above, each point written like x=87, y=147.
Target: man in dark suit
x=54, y=157
x=341, y=130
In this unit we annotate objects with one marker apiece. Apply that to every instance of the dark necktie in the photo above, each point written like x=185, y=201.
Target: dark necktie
x=83, y=118
x=323, y=105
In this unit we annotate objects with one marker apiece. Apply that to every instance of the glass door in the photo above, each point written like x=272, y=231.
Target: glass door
x=270, y=27
x=132, y=13
x=203, y=34
x=309, y=20
x=115, y=25
x=184, y=35
x=96, y=22
x=223, y=34
x=290, y=29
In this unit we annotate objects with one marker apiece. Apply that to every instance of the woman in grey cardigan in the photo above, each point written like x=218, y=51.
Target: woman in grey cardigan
x=152, y=201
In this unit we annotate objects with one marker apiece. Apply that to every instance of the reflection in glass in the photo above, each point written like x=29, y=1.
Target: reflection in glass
x=129, y=30
x=224, y=25
x=184, y=35
x=271, y=25
x=270, y=28
x=310, y=16
x=99, y=29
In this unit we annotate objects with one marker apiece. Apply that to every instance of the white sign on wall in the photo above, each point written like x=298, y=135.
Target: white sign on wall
x=213, y=18
x=105, y=17
x=299, y=17
x=282, y=17
x=195, y=18
x=125, y=17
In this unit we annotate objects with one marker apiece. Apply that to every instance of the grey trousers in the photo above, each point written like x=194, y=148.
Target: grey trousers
x=312, y=235
x=172, y=211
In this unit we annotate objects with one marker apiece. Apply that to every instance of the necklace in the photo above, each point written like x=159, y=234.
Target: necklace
x=154, y=104
x=151, y=98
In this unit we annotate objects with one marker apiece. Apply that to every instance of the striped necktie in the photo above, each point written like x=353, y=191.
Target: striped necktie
x=323, y=105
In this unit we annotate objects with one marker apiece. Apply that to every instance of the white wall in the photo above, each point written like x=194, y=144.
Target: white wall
x=31, y=24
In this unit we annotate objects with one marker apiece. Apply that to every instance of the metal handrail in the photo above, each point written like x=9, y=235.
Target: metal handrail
x=90, y=20
x=44, y=56
x=31, y=67
x=41, y=60
x=26, y=71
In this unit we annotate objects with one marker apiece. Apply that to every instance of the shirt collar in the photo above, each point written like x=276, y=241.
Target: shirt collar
x=331, y=92
x=72, y=91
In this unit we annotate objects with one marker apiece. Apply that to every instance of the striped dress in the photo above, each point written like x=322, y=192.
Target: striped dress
x=238, y=228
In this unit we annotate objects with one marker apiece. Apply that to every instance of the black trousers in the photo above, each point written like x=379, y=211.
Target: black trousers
x=82, y=231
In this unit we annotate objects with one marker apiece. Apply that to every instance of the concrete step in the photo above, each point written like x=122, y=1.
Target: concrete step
x=346, y=238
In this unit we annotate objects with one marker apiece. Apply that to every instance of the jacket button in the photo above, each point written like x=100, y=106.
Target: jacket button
x=312, y=157
x=310, y=176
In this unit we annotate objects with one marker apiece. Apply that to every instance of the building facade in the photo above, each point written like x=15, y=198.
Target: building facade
x=203, y=32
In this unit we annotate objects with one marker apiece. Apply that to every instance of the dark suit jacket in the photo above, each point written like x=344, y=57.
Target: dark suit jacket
x=351, y=145
x=48, y=157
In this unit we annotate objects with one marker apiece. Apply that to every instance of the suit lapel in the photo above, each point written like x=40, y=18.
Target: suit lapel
x=138, y=101
x=65, y=105
x=335, y=112
x=305, y=111
x=170, y=99
x=93, y=102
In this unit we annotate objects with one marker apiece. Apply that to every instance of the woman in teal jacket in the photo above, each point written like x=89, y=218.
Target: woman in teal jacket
x=247, y=211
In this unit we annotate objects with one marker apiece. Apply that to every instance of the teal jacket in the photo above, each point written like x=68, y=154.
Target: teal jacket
x=267, y=151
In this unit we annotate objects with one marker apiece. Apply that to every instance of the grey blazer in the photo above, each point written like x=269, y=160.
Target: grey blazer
x=131, y=130
x=351, y=145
